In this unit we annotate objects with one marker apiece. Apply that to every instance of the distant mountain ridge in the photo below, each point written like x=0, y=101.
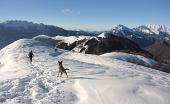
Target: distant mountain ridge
x=40, y=27
x=143, y=35
x=154, y=29
x=15, y=29
x=148, y=29
x=18, y=23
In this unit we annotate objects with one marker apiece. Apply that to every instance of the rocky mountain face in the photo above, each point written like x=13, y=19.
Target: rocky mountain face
x=13, y=30
x=161, y=51
x=95, y=45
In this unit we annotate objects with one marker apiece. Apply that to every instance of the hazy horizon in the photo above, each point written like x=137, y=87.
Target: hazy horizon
x=83, y=29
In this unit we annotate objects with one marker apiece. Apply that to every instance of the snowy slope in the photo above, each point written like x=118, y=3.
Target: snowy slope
x=25, y=82
x=66, y=39
x=130, y=58
x=71, y=39
x=92, y=79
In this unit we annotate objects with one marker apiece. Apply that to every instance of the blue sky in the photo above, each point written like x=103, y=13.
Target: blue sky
x=87, y=14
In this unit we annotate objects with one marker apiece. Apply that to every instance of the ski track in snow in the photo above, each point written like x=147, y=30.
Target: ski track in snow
x=92, y=79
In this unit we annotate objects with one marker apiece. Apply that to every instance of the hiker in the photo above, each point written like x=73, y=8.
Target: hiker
x=31, y=55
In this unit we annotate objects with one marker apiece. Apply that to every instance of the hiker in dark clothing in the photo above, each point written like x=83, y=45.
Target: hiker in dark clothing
x=31, y=55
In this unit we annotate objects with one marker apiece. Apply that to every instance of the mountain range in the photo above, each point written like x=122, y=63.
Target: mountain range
x=144, y=35
x=115, y=66
x=15, y=29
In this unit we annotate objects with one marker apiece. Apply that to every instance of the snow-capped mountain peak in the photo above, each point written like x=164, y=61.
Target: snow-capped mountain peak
x=148, y=29
x=154, y=29
x=121, y=27
x=102, y=35
x=143, y=29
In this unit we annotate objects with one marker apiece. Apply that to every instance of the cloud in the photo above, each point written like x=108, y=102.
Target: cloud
x=67, y=11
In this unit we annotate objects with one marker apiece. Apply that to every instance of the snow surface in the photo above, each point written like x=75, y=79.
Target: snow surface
x=92, y=79
x=102, y=35
x=71, y=39
x=44, y=38
x=130, y=57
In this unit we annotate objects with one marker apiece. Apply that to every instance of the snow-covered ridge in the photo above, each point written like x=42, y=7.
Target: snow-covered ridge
x=154, y=29
x=92, y=79
x=66, y=39
x=12, y=57
x=130, y=58
x=121, y=27
x=102, y=35
x=149, y=29
x=158, y=28
x=71, y=39
x=144, y=35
